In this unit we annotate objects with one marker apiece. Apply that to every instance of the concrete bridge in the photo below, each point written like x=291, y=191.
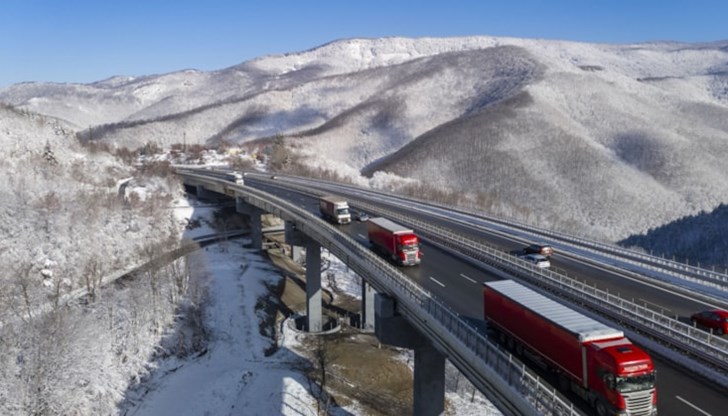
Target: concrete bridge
x=398, y=311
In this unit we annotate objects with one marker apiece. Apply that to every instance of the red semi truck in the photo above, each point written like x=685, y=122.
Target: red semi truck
x=394, y=241
x=592, y=359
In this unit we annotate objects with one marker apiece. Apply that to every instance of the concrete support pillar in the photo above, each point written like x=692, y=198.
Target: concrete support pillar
x=256, y=228
x=296, y=254
x=367, y=306
x=203, y=193
x=313, y=285
x=429, y=380
x=256, y=223
x=241, y=206
x=429, y=383
x=296, y=240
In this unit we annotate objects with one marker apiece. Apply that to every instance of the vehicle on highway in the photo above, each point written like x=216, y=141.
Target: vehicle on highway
x=591, y=359
x=540, y=248
x=537, y=260
x=361, y=216
x=335, y=209
x=396, y=242
x=236, y=177
x=715, y=320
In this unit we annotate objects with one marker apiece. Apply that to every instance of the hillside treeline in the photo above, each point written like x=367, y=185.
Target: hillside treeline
x=68, y=345
x=697, y=239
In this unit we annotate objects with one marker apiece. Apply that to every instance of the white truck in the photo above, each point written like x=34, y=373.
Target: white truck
x=236, y=177
x=335, y=209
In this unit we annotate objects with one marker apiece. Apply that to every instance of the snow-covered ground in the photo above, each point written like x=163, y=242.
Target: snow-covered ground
x=234, y=376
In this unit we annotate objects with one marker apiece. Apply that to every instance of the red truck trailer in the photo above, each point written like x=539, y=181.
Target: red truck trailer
x=594, y=360
x=394, y=241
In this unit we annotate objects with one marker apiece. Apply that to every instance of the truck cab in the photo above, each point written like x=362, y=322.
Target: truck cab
x=394, y=241
x=624, y=376
x=335, y=209
x=408, y=247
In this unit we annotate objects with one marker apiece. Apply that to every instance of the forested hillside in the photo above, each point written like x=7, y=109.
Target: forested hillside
x=65, y=226
x=698, y=239
x=604, y=141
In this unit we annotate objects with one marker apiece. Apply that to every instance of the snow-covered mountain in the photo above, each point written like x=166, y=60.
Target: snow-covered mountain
x=605, y=140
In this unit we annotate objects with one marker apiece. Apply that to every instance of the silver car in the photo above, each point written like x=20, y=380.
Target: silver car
x=361, y=216
x=537, y=260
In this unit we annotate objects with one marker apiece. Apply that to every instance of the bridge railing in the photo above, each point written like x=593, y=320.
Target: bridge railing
x=687, y=340
x=658, y=267
x=502, y=378
x=683, y=338
x=690, y=341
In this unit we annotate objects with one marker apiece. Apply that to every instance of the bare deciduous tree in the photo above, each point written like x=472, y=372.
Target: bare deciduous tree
x=25, y=287
x=92, y=275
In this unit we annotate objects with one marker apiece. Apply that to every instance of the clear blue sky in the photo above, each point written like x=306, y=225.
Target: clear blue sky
x=86, y=41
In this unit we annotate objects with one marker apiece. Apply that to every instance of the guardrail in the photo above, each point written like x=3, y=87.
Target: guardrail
x=686, y=339
x=502, y=378
x=660, y=266
x=695, y=273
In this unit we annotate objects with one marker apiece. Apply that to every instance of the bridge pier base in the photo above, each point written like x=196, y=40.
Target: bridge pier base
x=256, y=223
x=429, y=378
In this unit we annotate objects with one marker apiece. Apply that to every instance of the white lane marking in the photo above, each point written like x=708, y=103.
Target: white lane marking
x=693, y=406
x=466, y=277
x=362, y=236
x=436, y=281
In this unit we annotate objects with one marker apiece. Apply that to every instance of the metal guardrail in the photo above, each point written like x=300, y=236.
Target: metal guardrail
x=684, y=338
x=679, y=336
x=712, y=278
x=709, y=279
x=507, y=382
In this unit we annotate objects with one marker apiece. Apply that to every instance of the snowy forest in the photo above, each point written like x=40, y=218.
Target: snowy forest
x=66, y=225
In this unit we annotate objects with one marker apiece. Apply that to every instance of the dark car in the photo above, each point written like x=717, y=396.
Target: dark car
x=542, y=249
x=715, y=319
x=361, y=216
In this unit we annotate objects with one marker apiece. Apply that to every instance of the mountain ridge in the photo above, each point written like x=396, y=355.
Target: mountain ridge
x=597, y=139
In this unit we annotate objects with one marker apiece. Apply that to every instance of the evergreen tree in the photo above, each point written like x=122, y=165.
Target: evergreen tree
x=48, y=155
